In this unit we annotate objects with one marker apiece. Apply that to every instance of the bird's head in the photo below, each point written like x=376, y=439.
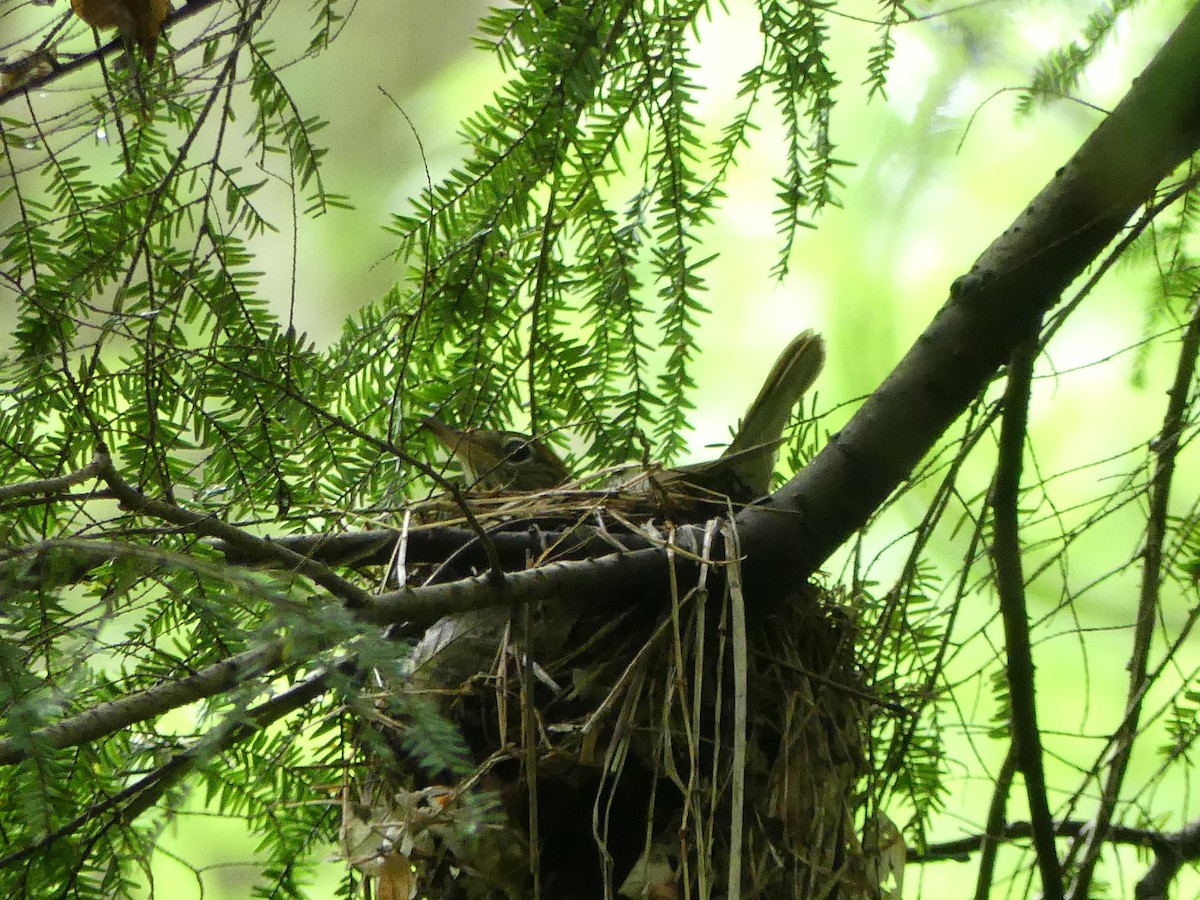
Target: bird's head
x=501, y=460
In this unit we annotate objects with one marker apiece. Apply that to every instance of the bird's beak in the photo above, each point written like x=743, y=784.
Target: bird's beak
x=473, y=455
x=451, y=437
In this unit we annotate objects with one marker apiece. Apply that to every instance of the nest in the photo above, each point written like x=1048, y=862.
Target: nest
x=664, y=749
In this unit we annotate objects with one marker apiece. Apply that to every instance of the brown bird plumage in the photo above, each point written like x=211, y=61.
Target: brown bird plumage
x=512, y=461
x=501, y=460
x=138, y=21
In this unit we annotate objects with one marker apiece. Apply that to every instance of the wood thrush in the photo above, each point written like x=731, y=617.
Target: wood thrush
x=508, y=460
x=501, y=460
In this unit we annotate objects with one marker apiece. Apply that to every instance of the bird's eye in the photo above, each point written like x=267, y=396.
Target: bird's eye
x=517, y=450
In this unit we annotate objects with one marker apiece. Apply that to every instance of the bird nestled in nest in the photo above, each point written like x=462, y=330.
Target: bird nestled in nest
x=515, y=462
x=568, y=659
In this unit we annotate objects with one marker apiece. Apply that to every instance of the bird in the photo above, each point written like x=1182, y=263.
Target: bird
x=501, y=460
x=511, y=461
x=743, y=470
x=139, y=21
x=554, y=640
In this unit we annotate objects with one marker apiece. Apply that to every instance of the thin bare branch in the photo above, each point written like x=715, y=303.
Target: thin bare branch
x=110, y=717
x=1010, y=586
x=146, y=791
x=989, y=844
x=351, y=594
x=50, y=485
x=1166, y=450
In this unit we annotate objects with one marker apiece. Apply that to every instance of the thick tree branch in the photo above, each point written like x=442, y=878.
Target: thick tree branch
x=999, y=303
x=960, y=849
x=442, y=544
x=452, y=548
x=1171, y=851
x=617, y=579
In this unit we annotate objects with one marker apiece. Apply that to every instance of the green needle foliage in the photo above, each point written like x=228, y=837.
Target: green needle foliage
x=554, y=280
x=559, y=269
